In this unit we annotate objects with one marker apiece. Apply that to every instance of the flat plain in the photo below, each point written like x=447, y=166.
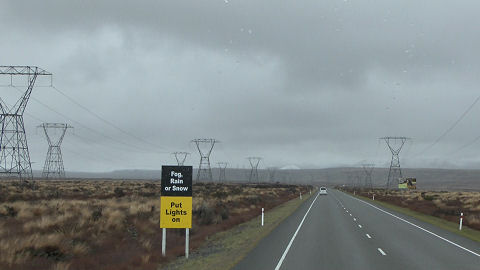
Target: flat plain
x=104, y=224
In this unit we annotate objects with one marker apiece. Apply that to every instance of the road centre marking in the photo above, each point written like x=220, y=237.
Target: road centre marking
x=354, y=219
x=294, y=235
x=360, y=226
x=368, y=235
x=381, y=251
x=418, y=227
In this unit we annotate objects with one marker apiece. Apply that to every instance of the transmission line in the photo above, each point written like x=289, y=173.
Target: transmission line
x=86, y=127
x=465, y=145
x=90, y=141
x=105, y=120
x=451, y=127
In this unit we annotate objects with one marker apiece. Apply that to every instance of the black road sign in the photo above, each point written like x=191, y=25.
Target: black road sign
x=177, y=181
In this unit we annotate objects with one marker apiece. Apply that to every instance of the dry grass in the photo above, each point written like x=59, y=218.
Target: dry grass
x=113, y=224
x=441, y=204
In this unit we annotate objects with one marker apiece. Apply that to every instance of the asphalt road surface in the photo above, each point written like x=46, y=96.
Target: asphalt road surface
x=338, y=231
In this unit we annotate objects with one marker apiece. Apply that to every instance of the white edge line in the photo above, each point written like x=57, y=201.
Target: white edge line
x=381, y=251
x=425, y=230
x=294, y=235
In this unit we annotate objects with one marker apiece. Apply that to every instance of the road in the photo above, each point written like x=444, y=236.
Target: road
x=339, y=231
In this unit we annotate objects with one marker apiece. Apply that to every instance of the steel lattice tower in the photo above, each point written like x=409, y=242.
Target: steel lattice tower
x=53, y=168
x=351, y=181
x=395, y=144
x=14, y=154
x=180, y=157
x=271, y=173
x=254, y=161
x=222, y=166
x=358, y=178
x=368, y=170
x=204, y=170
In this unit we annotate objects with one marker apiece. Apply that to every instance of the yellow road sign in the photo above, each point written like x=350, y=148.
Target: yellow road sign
x=175, y=212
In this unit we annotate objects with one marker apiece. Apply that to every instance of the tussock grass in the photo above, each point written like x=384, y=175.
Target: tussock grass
x=439, y=208
x=113, y=224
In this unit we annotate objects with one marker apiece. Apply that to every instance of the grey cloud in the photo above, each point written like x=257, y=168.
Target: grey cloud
x=309, y=83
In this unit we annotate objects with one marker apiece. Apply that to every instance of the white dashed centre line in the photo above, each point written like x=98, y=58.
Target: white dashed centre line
x=360, y=226
x=368, y=235
x=354, y=219
x=382, y=252
x=350, y=214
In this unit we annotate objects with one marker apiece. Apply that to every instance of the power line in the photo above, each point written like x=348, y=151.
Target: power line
x=450, y=128
x=84, y=126
x=105, y=120
x=465, y=145
x=91, y=141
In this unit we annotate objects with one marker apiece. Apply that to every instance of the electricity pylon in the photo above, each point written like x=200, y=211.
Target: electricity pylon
x=271, y=173
x=53, y=168
x=180, y=157
x=358, y=178
x=204, y=170
x=222, y=166
x=368, y=170
x=395, y=144
x=254, y=161
x=14, y=154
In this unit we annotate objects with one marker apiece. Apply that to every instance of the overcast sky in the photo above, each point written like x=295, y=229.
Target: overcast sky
x=307, y=83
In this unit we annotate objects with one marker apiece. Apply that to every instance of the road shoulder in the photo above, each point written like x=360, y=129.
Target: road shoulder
x=441, y=223
x=225, y=249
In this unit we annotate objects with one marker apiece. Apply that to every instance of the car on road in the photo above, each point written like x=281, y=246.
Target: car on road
x=323, y=191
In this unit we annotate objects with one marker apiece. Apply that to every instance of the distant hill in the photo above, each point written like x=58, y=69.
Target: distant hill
x=438, y=179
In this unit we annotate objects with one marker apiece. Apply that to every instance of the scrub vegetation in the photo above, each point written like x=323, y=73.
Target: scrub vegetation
x=446, y=205
x=115, y=224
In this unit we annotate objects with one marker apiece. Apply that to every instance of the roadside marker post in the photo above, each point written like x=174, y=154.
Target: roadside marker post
x=176, y=202
x=300, y=195
x=461, y=221
x=262, y=216
x=374, y=197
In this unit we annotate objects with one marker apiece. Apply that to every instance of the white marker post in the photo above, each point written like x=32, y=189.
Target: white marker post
x=461, y=221
x=262, y=216
x=310, y=192
x=300, y=195
x=187, y=242
x=354, y=192
x=374, y=197
x=164, y=240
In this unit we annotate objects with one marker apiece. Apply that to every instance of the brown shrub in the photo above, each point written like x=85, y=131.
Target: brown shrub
x=111, y=224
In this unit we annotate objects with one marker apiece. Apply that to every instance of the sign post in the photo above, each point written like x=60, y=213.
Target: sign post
x=176, y=201
x=164, y=241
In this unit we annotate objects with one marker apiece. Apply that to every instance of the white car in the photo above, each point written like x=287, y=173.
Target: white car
x=323, y=191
